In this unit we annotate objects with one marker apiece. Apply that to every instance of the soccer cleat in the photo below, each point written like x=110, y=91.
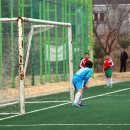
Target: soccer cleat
x=82, y=104
x=75, y=105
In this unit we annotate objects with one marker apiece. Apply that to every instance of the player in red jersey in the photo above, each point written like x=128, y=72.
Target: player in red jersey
x=84, y=60
x=107, y=67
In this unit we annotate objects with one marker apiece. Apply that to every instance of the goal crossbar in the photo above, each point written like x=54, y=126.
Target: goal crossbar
x=35, y=21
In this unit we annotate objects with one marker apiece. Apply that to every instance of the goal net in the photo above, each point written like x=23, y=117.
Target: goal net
x=36, y=64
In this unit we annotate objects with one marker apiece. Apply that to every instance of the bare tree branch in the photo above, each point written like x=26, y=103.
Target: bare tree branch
x=114, y=27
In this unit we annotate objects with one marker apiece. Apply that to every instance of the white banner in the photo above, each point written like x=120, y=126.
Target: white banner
x=61, y=52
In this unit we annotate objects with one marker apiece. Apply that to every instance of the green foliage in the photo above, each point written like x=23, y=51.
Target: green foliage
x=98, y=57
x=98, y=52
x=124, y=43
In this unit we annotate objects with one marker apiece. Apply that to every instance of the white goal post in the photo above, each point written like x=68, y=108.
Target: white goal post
x=23, y=65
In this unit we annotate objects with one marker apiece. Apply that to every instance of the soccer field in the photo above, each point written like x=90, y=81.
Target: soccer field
x=107, y=108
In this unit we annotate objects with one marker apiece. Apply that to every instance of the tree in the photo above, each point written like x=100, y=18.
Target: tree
x=124, y=43
x=111, y=24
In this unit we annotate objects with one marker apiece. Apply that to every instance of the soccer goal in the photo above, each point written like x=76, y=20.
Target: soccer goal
x=35, y=63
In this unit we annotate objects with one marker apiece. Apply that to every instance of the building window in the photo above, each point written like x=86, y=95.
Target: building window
x=99, y=17
x=95, y=16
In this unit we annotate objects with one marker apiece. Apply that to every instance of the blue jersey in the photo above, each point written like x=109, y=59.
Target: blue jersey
x=84, y=74
x=80, y=76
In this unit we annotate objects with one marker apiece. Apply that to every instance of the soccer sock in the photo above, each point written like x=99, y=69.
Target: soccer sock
x=110, y=82
x=77, y=97
x=107, y=80
x=80, y=99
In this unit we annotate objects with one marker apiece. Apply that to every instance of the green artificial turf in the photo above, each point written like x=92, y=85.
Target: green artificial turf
x=108, y=112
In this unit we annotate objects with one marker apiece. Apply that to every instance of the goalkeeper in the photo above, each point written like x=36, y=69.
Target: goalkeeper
x=80, y=78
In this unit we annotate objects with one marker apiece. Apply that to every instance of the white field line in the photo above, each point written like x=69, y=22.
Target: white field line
x=64, y=104
x=7, y=104
x=6, y=113
x=117, y=95
x=31, y=102
x=100, y=95
x=36, y=125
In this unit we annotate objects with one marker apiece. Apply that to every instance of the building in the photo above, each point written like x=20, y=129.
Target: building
x=111, y=16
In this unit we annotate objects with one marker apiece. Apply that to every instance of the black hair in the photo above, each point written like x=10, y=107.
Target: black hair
x=107, y=54
x=89, y=64
x=81, y=58
x=86, y=53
